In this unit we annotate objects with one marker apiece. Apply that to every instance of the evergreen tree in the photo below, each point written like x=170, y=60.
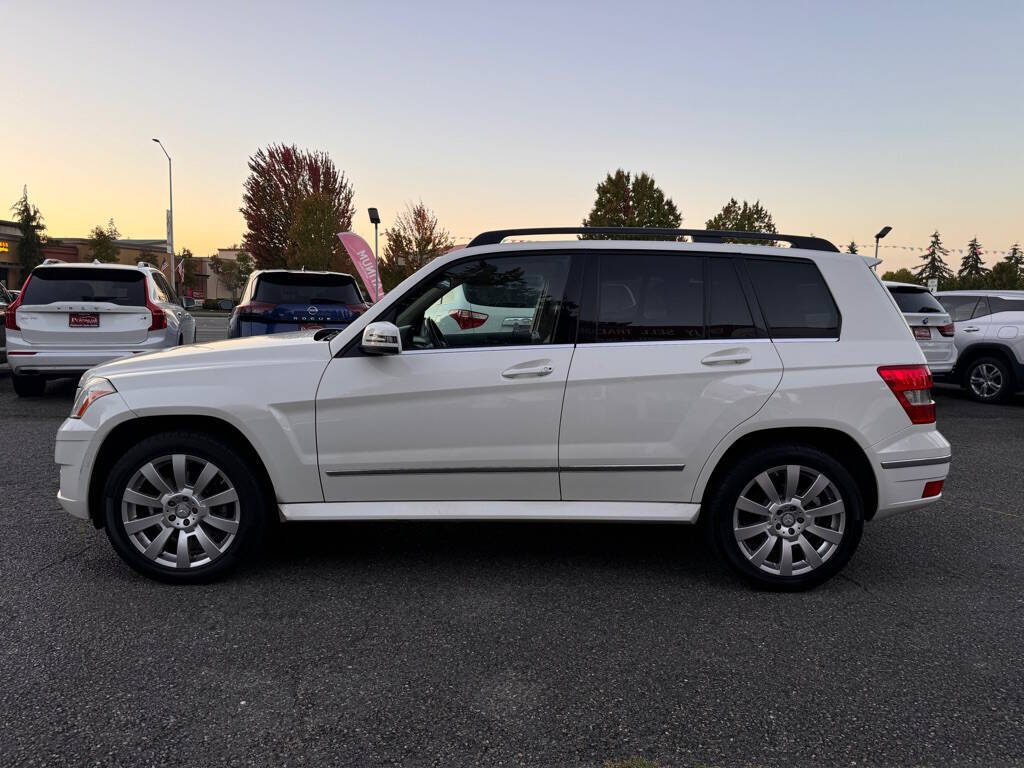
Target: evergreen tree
x=30, y=224
x=1015, y=258
x=901, y=275
x=934, y=264
x=852, y=247
x=627, y=201
x=744, y=218
x=972, y=267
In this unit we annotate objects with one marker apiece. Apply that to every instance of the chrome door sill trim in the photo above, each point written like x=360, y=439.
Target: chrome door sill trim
x=613, y=511
x=625, y=468
x=435, y=471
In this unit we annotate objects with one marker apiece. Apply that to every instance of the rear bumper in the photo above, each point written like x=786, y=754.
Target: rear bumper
x=904, y=464
x=61, y=362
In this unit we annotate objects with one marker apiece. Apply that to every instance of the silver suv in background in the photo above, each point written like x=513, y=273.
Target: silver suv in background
x=929, y=322
x=990, y=342
x=71, y=317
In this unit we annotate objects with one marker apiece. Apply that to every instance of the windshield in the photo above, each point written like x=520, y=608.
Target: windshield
x=915, y=300
x=58, y=284
x=307, y=288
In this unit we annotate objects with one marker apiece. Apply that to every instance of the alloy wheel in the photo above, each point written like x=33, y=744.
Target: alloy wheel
x=789, y=520
x=180, y=511
x=986, y=380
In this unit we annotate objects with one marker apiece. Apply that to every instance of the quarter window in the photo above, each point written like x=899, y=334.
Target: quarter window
x=488, y=302
x=794, y=299
x=650, y=297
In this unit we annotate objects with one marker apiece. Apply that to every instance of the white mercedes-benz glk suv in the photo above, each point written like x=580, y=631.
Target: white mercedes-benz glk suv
x=775, y=395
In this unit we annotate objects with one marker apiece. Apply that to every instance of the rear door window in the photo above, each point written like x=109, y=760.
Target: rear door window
x=650, y=297
x=915, y=300
x=794, y=299
x=306, y=288
x=982, y=309
x=729, y=314
x=126, y=287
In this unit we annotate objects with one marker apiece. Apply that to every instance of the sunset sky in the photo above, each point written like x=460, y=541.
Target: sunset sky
x=839, y=117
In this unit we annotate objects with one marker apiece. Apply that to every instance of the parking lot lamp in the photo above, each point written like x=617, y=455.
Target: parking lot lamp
x=170, y=212
x=881, y=233
x=375, y=220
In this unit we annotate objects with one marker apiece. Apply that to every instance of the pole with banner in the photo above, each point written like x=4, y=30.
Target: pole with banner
x=364, y=260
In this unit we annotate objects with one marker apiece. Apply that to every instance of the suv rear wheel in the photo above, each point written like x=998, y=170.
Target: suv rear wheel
x=183, y=507
x=787, y=517
x=988, y=380
x=28, y=386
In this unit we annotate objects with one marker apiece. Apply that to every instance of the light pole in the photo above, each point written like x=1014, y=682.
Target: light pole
x=375, y=220
x=881, y=233
x=170, y=214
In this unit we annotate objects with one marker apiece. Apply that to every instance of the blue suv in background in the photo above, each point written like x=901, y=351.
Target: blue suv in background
x=281, y=300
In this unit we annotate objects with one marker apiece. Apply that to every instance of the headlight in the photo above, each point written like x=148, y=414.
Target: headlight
x=90, y=392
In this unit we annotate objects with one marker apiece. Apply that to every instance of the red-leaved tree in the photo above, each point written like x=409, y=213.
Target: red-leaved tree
x=280, y=179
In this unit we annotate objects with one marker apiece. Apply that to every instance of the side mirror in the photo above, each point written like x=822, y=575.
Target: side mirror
x=381, y=339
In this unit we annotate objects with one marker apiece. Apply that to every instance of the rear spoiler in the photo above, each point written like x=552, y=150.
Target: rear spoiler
x=871, y=261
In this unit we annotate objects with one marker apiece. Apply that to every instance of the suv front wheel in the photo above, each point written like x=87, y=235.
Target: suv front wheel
x=183, y=507
x=787, y=517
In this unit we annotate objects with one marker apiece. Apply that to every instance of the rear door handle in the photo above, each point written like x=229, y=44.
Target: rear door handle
x=971, y=329
x=522, y=373
x=734, y=356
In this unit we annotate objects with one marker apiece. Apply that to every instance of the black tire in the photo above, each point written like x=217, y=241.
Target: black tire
x=723, y=516
x=981, y=374
x=251, y=511
x=28, y=386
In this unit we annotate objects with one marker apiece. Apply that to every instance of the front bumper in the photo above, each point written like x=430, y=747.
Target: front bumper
x=904, y=464
x=76, y=447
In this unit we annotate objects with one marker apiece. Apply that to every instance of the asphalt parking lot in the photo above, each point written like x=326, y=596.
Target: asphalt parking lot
x=516, y=644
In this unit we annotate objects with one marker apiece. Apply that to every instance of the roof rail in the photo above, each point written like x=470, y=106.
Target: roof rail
x=53, y=261
x=145, y=264
x=699, y=235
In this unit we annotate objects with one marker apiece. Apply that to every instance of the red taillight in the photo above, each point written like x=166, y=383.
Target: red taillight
x=932, y=488
x=255, y=309
x=467, y=318
x=10, y=314
x=946, y=330
x=159, y=321
x=912, y=385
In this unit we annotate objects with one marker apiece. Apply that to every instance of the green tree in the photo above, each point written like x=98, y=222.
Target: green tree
x=103, y=243
x=313, y=236
x=627, y=201
x=744, y=218
x=414, y=240
x=901, y=275
x=852, y=247
x=1004, y=276
x=189, y=268
x=233, y=272
x=31, y=228
x=972, y=270
x=1015, y=258
x=935, y=266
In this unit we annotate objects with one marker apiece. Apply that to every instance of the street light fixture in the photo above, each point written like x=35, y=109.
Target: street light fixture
x=375, y=220
x=881, y=233
x=170, y=212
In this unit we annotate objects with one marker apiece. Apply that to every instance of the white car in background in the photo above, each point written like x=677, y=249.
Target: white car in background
x=773, y=393
x=990, y=340
x=929, y=322
x=479, y=309
x=70, y=317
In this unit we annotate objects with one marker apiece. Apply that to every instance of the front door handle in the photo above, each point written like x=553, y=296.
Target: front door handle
x=734, y=356
x=522, y=373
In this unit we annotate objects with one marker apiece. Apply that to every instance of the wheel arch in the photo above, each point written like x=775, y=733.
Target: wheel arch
x=834, y=442
x=988, y=349
x=127, y=433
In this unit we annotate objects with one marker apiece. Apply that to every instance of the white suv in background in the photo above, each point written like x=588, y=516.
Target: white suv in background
x=70, y=317
x=774, y=394
x=990, y=341
x=929, y=322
